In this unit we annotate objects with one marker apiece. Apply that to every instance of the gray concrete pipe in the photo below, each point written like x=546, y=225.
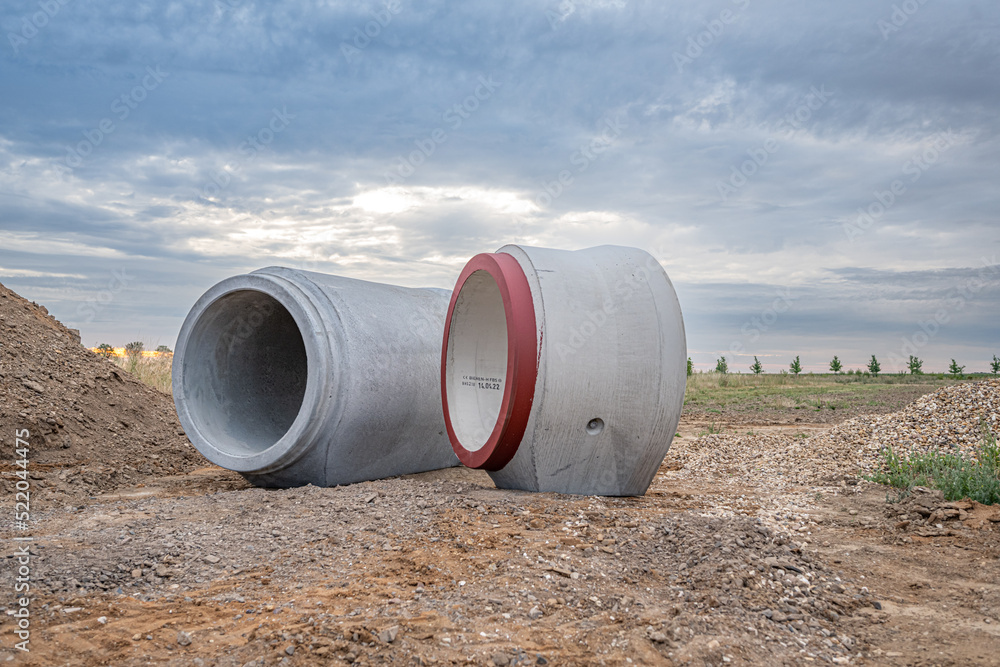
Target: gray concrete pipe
x=291, y=377
x=564, y=370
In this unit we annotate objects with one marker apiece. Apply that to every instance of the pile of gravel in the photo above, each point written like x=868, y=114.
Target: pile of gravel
x=947, y=420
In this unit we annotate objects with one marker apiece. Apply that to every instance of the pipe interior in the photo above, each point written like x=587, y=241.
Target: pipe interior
x=245, y=371
x=476, y=365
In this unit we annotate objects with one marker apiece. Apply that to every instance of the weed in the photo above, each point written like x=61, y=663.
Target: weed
x=713, y=429
x=976, y=477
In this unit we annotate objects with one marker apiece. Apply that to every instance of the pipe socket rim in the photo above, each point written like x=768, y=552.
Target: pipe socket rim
x=303, y=430
x=521, y=373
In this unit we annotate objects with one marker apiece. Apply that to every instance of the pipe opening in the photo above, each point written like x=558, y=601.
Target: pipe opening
x=476, y=368
x=245, y=371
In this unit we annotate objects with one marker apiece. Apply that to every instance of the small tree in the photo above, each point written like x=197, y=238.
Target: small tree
x=134, y=349
x=163, y=349
x=995, y=365
x=955, y=369
x=690, y=367
x=721, y=366
x=795, y=366
x=916, y=366
x=835, y=364
x=756, y=367
x=874, y=367
x=105, y=350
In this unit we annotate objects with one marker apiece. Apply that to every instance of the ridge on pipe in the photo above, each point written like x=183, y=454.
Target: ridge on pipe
x=564, y=371
x=292, y=377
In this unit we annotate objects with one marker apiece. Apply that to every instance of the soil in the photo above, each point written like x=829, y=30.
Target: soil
x=93, y=427
x=747, y=549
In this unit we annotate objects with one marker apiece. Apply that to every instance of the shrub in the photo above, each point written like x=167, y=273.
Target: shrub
x=795, y=366
x=756, y=367
x=721, y=366
x=915, y=365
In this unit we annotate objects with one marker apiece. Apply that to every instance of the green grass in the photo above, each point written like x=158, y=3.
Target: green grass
x=825, y=392
x=957, y=476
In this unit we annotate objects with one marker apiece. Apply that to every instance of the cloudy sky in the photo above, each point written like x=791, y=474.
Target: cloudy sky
x=816, y=178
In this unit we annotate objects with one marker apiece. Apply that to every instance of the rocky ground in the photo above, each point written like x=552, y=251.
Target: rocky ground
x=761, y=548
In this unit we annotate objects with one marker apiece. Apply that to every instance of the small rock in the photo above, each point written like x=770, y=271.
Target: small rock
x=658, y=637
x=212, y=559
x=102, y=620
x=136, y=637
x=535, y=613
x=539, y=660
x=183, y=638
x=500, y=659
x=136, y=573
x=33, y=386
x=290, y=650
x=388, y=635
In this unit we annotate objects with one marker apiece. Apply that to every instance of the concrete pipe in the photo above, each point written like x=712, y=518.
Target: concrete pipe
x=291, y=377
x=564, y=370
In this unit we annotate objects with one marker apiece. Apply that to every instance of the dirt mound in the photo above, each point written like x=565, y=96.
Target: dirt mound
x=93, y=427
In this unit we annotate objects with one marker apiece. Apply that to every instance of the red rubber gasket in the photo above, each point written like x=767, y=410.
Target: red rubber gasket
x=522, y=362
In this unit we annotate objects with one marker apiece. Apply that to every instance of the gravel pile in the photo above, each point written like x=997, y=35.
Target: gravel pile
x=94, y=428
x=948, y=420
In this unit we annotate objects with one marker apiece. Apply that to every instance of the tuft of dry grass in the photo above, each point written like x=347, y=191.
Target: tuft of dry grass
x=154, y=371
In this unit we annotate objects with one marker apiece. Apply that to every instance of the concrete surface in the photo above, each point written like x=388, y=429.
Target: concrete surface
x=292, y=377
x=611, y=371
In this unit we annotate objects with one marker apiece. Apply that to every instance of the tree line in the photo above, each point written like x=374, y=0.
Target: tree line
x=915, y=366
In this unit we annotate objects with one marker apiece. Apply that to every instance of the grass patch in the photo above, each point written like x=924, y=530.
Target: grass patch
x=957, y=476
x=154, y=371
x=820, y=392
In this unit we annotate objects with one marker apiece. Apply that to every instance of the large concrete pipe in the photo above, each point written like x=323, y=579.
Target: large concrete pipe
x=564, y=370
x=291, y=377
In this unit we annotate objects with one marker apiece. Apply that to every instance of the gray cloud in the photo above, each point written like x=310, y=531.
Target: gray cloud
x=175, y=193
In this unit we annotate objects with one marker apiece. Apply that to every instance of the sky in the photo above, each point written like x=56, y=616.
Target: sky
x=816, y=178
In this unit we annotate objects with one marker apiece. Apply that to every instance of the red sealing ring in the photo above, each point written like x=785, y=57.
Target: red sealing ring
x=522, y=362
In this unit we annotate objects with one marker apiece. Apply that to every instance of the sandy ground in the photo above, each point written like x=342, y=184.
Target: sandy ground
x=442, y=568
